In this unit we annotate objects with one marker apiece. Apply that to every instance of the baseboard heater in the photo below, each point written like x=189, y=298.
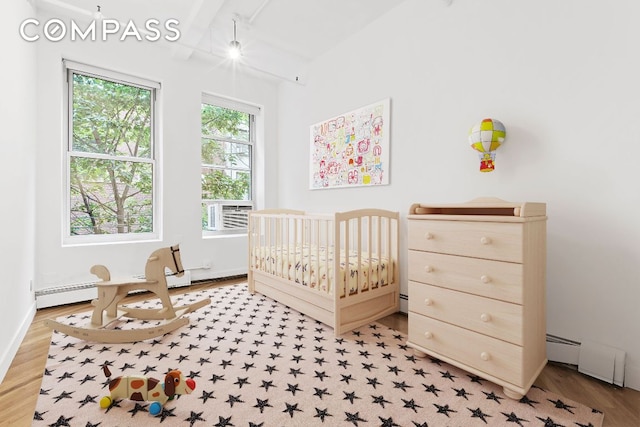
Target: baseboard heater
x=591, y=358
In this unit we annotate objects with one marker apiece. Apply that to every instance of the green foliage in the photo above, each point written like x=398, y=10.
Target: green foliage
x=109, y=195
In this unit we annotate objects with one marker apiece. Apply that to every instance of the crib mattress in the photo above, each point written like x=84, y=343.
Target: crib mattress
x=313, y=266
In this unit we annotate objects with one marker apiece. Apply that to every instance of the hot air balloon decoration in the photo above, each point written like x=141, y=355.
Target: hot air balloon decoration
x=485, y=137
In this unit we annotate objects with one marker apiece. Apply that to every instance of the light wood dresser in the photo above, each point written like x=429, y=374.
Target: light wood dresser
x=477, y=278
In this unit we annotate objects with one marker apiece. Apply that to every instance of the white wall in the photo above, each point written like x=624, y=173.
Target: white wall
x=182, y=85
x=561, y=76
x=17, y=162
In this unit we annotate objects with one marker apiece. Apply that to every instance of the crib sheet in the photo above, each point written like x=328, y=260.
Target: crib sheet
x=294, y=263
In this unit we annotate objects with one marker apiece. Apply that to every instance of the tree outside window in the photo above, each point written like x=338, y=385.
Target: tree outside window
x=227, y=143
x=111, y=156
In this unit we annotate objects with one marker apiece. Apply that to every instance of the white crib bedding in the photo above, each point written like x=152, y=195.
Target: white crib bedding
x=294, y=263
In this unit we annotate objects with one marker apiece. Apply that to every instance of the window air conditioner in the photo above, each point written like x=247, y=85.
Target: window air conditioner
x=229, y=215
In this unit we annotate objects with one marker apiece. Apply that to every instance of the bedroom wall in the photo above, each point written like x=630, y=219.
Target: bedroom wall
x=17, y=162
x=562, y=77
x=182, y=85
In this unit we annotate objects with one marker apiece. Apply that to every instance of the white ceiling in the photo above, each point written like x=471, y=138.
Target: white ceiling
x=279, y=37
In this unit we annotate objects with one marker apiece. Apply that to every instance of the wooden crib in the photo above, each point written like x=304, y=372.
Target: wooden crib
x=340, y=269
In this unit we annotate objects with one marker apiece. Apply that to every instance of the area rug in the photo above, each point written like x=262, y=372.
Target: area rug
x=256, y=362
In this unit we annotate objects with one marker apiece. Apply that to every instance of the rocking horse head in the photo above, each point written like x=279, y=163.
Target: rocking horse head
x=163, y=258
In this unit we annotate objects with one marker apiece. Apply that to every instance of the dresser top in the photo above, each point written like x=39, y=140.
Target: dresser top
x=488, y=206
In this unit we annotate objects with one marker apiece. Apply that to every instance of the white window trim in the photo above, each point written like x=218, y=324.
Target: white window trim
x=256, y=112
x=82, y=240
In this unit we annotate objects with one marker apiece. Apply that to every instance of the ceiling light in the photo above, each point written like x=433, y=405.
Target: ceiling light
x=98, y=14
x=235, y=50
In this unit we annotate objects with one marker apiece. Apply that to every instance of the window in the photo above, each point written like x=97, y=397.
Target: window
x=111, y=161
x=228, y=141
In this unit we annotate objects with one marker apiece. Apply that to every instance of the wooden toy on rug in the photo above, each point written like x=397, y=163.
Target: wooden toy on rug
x=108, y=309
x=141, y=389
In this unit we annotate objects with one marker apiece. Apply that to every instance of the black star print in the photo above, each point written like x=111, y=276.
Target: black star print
x=477, y=413
x=402, y=385
x=234, y=399
x=561, y=405
x=462, y=393
x=411, y=404
x=88, y=378
x=322, y=414
x=206, y=395
x=448, y=375
x=394, y=369
x=513, y=418
x=261, y=404
x=87, y=399
x=291, y=409
x=226, y=363
x=63, y=395
x=350, y=396
x=65, y=376
x=293, y=388
x=242, y=381
x=138, y=408
x=444, y=409
x=548, y=422
x=223, y=422
x=493, y=396
x=321, y=392
x=431, y=389
x=62, y=421
x=166, y=413
x=354, y=418
x=528, y=401
x=321, y=375
x=373, y=382
x=380, y=400
x=346, y=378
x=387, y=422
x=270, y=369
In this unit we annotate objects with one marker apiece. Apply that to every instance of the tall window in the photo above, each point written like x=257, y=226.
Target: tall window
x=228, y=138
x=111, y=163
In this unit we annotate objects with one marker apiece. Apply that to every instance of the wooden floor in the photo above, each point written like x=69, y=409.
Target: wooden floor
x=20, y=388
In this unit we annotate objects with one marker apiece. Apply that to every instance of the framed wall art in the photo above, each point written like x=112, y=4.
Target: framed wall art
x=352, y=149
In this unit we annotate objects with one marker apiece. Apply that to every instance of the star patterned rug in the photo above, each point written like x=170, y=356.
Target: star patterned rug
x=256, y=362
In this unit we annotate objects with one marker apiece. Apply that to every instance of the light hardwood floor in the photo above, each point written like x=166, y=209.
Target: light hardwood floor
x=20, y=388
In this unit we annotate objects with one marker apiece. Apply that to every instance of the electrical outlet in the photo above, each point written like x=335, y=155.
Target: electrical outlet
x=206, y=264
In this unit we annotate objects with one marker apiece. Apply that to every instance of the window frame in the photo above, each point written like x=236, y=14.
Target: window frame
x=70, y=68
x=254, y=112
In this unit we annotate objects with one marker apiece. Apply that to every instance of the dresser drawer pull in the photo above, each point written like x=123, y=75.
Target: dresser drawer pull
x=485, y=356
x=428, y=236
x=428, y=335
x=485, y=317
x=485, y=240
x=485, y=279
x=428, y=269
x=428, y=301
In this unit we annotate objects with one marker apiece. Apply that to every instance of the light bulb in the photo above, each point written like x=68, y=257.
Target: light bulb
x=234, y=49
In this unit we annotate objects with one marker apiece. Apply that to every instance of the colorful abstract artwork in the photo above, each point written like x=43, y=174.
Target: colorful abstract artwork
x=351, y=149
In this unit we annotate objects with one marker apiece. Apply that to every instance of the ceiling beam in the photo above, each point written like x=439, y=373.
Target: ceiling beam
x=196, y=27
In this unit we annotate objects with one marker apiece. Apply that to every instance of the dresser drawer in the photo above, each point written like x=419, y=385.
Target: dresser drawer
x=492, y=279
x=498, y=319
x=489, y=240
x=489, y=355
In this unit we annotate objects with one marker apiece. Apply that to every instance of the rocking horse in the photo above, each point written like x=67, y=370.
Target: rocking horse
x=108, y=310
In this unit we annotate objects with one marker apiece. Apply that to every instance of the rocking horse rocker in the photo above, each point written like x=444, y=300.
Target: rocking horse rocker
x=107, y=309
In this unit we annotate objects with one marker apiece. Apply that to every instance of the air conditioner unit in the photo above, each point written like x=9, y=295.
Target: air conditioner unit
x=232, y=215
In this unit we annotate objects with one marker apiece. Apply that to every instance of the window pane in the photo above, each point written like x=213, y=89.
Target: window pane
x=226, y=154
x=225, y=184
x=218, y=122
x=109, y=197
x=111, y=118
